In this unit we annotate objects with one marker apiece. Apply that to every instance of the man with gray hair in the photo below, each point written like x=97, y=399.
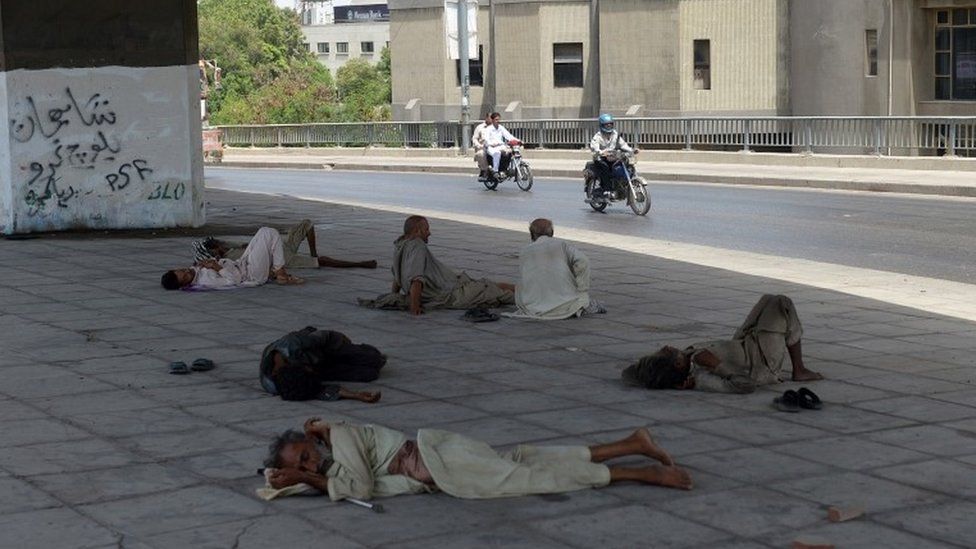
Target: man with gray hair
x=554, y=278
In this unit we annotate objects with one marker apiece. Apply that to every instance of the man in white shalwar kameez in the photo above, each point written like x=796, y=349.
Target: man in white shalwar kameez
x=554, y=278
x=263, y=259
x=366, y=461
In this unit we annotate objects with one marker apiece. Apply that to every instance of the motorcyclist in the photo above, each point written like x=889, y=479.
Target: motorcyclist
x=497, y=140
x=604, y=146
x=478, y=141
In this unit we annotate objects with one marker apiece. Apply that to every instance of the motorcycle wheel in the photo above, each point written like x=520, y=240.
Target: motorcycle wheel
x=640, y=199
x=490, y=183
x=523, y=176
x=598, y=206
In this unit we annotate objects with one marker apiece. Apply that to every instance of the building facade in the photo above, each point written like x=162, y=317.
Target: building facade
x=339, y=30
x=576, y=58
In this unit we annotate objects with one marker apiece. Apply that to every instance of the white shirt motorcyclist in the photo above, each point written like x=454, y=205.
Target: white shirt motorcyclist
x=496, y=136
x=612, y=142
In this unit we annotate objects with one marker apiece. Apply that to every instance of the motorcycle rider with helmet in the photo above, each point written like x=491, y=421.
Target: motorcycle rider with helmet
x=604, y=145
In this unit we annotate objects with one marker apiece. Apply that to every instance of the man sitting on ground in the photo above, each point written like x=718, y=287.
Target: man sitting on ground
x=212, y=248
x=754, y=356
x=554, y=278
x=367, y=461
x=299, y=366
x=263, y=259
x=420, y=280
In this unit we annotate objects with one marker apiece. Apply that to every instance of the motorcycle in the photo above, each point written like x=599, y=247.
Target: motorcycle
x=516, y=169
x=625, y=184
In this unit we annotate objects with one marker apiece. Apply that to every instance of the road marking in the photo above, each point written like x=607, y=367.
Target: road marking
x=943, y=297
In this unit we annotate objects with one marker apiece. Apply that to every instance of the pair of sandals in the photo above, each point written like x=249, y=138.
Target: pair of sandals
x=794, y=401
x=199, y=365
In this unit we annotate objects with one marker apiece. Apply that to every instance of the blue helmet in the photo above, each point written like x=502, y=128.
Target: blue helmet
x=606, y=123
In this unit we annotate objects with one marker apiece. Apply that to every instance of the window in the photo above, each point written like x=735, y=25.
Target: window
x=955, y=55
x=567, y=65
x=476, y=73
x=702, y=71
x=871, y=52
x=307, y=46
x=323, y=47
x=342, y=48
x=366, y=48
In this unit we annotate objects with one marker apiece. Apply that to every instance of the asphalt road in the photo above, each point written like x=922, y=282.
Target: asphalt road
x=896, y=233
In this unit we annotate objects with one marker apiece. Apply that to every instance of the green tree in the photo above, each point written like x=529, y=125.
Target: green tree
x=362, y=90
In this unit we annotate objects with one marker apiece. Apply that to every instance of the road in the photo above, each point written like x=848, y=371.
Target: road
x=921, y=236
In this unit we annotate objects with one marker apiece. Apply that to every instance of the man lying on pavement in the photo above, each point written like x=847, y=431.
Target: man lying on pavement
x=420, y=280
x=212, y=248
x=263, y=259
x=367, y=461
x=300, y=365
x=754, y=356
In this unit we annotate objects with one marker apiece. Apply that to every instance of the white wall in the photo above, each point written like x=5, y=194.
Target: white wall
x=100, y=148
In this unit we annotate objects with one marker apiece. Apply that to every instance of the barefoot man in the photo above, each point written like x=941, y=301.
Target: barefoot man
x=754, y=356
x=366, y=461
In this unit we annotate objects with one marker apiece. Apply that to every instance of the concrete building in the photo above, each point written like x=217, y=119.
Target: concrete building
x=102, y=104
x=576, y=58
x=339, y=30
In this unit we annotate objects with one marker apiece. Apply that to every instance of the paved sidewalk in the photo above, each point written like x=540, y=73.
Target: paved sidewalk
x=100, y=447
x=775, y=173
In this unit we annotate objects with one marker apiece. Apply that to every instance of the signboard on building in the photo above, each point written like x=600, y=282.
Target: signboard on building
x=361, y=14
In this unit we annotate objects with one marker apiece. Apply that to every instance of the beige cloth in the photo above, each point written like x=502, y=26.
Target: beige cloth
x=554, y=280
x=758, y=349
x=264, y=254
x=292, y=242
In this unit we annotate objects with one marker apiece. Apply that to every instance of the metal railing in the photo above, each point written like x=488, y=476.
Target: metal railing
x=818, y=134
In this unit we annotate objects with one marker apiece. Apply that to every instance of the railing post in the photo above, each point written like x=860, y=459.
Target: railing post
x=808, y=135
x=687, y=125
x=542, y=135
x=877, y=137
x=747, y=136
x=278, y=132
x=951, y=146
x=370, y=133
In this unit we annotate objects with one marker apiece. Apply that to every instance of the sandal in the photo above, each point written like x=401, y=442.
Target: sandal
x=789, y=402
x=178, y=368
x=289, y=280
x=809, y=400
x=202, y=365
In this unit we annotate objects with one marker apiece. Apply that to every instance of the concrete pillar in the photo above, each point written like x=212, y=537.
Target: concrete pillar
x=101, y=100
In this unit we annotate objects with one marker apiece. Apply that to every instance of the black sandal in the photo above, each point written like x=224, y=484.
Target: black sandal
x=809, y=400
x=789, y=402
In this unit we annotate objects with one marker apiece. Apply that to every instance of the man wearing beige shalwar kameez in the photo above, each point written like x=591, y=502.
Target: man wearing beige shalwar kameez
x=367, y=461
x=554, y=278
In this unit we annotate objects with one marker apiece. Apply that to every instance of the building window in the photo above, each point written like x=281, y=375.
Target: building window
x=366, y=48
x=307, y=46
x=567, y=65
x=955, y=55
x=476, y=73
x=871, y=52
x=323, y=47
x=342, y=48
x=702, y=72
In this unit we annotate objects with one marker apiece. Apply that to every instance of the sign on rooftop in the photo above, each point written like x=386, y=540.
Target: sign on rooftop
x=361, y=14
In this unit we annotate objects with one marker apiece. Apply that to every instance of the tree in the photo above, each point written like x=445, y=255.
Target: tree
x=363, y=91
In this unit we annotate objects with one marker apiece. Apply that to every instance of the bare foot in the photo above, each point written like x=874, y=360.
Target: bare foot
x=369, y=397
x=669, y=477
x=649, y=448
x=802, y=374
x=288, y=280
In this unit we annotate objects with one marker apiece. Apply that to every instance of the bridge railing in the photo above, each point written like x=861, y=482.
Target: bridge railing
x=896, y=136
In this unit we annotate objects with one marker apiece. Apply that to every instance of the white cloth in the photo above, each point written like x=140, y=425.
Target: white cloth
x=496, y=142
x=611, y=142
x=554, y=280
x=478, y=137
x=264, y=254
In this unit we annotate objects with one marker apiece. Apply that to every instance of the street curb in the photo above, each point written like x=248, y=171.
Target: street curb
x=827, y=184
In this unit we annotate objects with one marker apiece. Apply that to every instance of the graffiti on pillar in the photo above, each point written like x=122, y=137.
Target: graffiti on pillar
x=76, y=150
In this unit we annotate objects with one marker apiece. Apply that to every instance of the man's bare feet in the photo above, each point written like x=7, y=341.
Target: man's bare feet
x=802, y=374
x=286, y=279
x=669, y=477
x=649, y=448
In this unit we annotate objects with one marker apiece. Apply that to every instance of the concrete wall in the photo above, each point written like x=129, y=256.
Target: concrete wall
x=102, y=104
x=748, y=60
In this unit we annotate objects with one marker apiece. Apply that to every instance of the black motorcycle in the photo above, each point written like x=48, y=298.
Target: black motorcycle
x=625, y=184
x=511, y=167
